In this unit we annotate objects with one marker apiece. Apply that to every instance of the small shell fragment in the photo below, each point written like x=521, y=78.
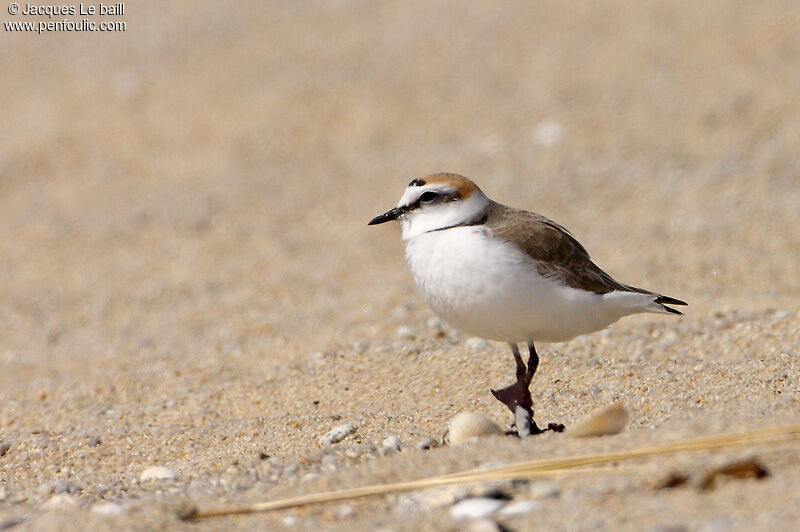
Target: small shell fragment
x=466, y=425
x=156, y=473
x=61, y=502
x=477, y=508
x=392, y=443
x=607, y=420
x=518, y=508
x=336, y=434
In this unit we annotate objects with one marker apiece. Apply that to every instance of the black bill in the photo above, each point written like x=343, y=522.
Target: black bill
x=388, y=216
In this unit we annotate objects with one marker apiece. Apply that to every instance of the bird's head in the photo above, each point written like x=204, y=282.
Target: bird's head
x=436, y=202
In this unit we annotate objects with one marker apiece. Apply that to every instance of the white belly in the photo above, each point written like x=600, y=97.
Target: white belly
x=489, y=288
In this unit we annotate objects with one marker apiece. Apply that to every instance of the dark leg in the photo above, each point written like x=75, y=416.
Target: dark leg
x=533, y=362
x=521, y=371
x=517, y=397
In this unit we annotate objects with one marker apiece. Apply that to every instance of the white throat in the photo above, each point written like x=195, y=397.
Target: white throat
x=444, y=215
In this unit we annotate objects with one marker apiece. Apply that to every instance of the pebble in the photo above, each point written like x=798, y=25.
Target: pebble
x=108, y=508
x=436, y=324
x=318, y=357
x=476, y=343
x=515, y=509
x=4, y=447
x=401, y=311
x=544, y=489
x=427, y=443
x=477, y=508
x=722, y=323
x=607, y=420
x=547, y=133
x=667, y=342
x=58, y=487
x=361, y=346
x=61, y=502
x=405, y=332
x=431, y=498
x=43, y=442
x=392, y=443
x=157, y=473
x=438, y=497
x=289, y=520
x=337, y=434
x=344, y=511
x=467, y=425
x=359, y=450
x=62, y=486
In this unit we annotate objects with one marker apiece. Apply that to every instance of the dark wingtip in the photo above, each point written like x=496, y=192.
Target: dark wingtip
x=666, y=300
x=672, y=310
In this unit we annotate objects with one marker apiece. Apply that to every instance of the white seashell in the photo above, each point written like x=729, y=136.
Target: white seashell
x=61, y=502
x=607, y=420
x=337, y=434
x=432, y=498
x=477, y=508
x=466, y=425
x=108, y=508
x=405, y=332
x=476, y=343
x=516, y=509
x=157, y=473
x=392, y=443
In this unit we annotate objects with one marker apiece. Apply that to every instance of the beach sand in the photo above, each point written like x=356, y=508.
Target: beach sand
x=187, y=279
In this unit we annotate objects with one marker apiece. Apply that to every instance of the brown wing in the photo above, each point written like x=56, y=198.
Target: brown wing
x=556, y=252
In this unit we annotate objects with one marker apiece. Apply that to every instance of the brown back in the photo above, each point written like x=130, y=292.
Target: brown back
x=557, y=254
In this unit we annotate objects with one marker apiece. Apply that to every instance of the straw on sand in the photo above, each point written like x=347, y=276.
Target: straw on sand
x=529, y=469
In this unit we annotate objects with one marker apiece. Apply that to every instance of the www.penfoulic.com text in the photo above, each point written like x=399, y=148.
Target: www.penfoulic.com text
x=52, y=12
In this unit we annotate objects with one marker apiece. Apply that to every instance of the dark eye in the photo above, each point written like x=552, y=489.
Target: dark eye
x=428, y=197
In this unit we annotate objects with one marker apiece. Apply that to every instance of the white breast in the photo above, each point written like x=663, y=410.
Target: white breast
x=487, y=287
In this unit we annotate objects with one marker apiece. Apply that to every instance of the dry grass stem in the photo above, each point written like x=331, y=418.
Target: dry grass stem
x=534, y=468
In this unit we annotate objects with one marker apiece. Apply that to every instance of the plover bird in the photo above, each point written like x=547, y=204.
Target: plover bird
x=508, y=275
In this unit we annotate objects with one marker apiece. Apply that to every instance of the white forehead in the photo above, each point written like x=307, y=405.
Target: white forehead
x=413, y=192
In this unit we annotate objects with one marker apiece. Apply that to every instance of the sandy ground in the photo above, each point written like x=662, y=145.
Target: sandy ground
x=187, y=278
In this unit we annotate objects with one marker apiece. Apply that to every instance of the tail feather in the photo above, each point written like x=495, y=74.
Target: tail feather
x=637, y=300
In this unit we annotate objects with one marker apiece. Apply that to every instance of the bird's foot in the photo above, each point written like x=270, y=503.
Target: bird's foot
x=517, y=398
